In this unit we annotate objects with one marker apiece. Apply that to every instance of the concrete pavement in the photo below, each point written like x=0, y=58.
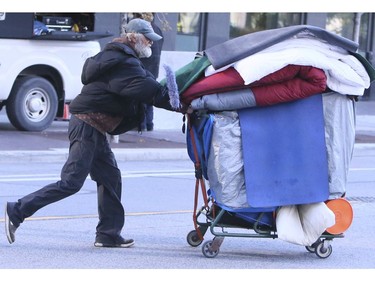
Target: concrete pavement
x=52, y=144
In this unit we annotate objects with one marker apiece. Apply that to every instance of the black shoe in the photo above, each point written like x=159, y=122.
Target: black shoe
x=10, y=229
x=118, y=243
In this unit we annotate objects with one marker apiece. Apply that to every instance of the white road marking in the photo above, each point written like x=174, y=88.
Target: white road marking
x=133, y=174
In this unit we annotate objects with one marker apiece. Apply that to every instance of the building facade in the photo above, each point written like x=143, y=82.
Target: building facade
x=188, y=33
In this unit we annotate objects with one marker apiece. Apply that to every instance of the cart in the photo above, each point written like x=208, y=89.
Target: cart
x=251, y=224
x=258, y=220
x=294, y=103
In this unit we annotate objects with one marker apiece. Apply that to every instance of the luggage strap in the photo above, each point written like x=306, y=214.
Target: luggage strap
x=199, y=180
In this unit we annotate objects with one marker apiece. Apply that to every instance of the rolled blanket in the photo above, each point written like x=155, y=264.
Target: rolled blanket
x=290, y=83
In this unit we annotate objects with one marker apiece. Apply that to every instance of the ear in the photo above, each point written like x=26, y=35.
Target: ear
x=119, y=39
x=132, y=38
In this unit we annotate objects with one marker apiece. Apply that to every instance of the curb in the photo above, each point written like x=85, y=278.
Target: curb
x=121, y=154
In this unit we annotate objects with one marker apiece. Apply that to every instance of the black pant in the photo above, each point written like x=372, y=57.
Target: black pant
x=148, y=121
x=89, y=153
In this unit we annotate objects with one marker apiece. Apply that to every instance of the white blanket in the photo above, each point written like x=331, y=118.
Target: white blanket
x=345, y=74
x=303, y=224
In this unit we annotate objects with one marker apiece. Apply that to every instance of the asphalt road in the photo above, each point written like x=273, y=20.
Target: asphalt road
x=158, y=196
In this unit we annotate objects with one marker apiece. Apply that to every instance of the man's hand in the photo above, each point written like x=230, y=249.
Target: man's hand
x=185, y=109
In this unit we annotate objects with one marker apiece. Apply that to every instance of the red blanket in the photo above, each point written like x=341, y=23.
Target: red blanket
x=287, y=84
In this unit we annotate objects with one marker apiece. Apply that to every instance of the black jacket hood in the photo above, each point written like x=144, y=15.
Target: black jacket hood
x=103, y=61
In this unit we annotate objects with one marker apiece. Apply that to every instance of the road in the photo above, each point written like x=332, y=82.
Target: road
x=158, y=198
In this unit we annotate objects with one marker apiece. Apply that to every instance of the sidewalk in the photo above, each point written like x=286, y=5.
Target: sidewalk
x=52, y=144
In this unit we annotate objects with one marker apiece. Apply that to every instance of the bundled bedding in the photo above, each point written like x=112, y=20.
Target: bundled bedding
x=268, y=68
x=290, y=83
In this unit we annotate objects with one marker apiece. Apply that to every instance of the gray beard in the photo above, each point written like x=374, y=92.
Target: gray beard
x=142, y=50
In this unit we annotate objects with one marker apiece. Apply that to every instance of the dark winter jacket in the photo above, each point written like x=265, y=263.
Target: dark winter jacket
x=116, y=82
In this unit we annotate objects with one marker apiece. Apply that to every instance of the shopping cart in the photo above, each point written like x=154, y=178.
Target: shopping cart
x=258, y=220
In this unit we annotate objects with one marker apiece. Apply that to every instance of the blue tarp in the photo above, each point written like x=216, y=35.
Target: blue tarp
x=284, y=152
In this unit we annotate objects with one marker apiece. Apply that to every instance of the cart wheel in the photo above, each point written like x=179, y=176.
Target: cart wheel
x=206, y=250
x=323, y=252
x=310, y=249
x=193, y=239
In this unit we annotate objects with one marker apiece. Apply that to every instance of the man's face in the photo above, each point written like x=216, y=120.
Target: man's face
x=143, y=46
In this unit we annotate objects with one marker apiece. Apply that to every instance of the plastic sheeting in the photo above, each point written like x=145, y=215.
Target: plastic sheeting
x=225, y=167
x=225, y=164
x=339, y=118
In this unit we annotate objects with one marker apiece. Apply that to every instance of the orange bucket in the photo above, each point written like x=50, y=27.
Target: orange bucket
x=343, y=215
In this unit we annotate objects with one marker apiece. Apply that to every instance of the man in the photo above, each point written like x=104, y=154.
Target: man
x=115, y=86
x=152, y=64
